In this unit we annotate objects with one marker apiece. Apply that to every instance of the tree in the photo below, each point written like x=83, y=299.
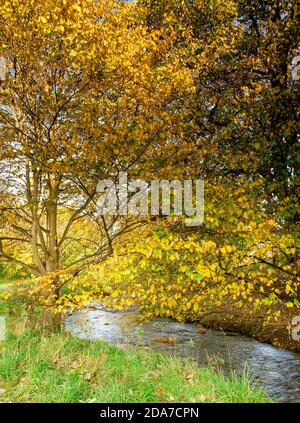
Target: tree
x=159, y=89
x=242, y=137
x=86, y=95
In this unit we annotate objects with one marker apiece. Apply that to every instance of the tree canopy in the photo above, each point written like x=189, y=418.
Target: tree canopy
x=159, y=89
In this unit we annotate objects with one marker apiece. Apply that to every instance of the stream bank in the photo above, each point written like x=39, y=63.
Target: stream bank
x=276, y=332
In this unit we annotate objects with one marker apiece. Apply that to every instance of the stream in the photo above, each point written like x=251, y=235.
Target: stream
x=277, y=370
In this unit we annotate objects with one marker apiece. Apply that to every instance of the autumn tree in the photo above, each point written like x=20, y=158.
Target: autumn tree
x=159, y=89
x=241, y=136
x=86, y=95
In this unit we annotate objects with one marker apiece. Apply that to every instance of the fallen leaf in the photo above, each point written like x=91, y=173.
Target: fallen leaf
x=189, y=377
x=166, y=340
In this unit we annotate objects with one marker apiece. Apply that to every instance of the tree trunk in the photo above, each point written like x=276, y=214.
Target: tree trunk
x=50, y=320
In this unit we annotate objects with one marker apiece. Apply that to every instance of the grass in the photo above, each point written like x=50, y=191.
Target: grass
x=7, y=280
x=58, y=368
x=5, y=283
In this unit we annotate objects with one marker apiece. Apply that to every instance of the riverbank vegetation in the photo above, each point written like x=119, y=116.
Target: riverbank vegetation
x=59, y=368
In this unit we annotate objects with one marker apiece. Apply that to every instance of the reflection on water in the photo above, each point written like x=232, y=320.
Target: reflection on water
x=277, y=370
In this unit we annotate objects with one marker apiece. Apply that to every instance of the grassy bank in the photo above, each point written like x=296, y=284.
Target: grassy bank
x=59, y=368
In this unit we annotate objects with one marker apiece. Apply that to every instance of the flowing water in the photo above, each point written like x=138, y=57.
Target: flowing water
x=277, y=370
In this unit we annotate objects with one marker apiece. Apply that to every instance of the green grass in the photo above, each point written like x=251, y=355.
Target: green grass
x=58, y=368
